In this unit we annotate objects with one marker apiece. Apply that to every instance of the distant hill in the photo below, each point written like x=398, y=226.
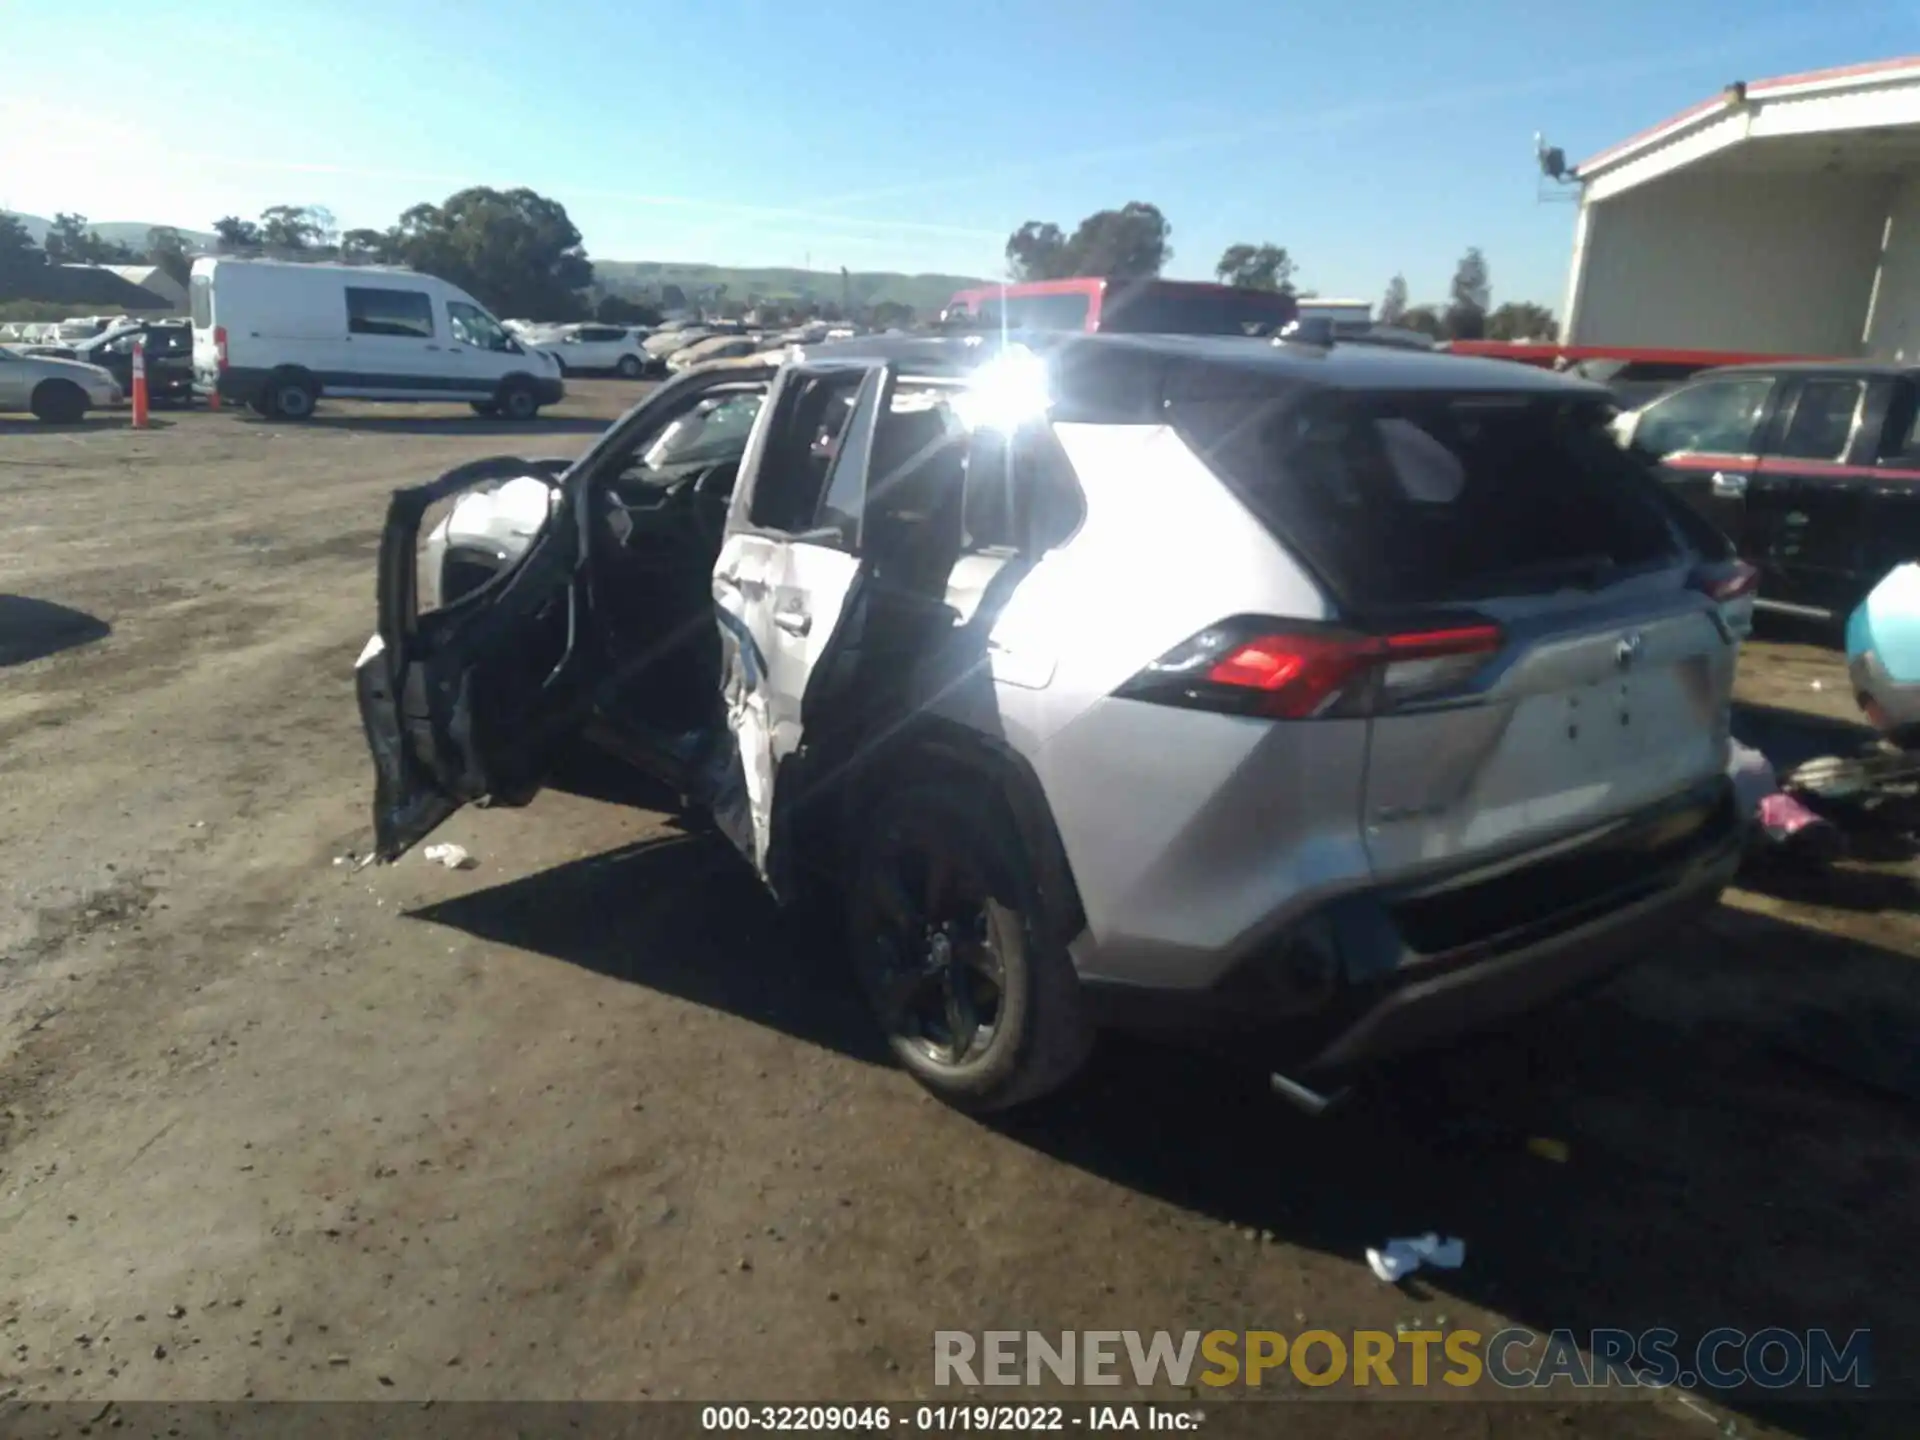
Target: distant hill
x=126, y=232
x=645, y=279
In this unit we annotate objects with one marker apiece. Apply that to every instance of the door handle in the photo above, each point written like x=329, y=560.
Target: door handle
x=794, y=622
x=433, y=347
x=1728, y=485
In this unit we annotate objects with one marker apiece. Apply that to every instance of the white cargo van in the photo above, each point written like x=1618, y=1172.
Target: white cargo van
x=277, y=336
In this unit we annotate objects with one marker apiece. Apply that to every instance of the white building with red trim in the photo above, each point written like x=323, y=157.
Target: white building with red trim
x=1781, y=216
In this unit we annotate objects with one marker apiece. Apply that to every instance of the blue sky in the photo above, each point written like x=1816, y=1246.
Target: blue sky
x=1367, y=136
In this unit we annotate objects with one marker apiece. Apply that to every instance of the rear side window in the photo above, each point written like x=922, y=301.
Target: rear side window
x=200, y=297
x=1821, y=425
x=405, y=313
x=1412, y=499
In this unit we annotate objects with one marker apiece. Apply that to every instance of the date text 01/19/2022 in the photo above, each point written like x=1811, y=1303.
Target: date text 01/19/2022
x=945, y=1419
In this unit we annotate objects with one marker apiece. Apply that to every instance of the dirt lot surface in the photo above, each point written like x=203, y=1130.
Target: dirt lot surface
x=585, y=1122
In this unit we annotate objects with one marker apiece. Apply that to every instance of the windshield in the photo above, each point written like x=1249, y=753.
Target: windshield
x=714, y=433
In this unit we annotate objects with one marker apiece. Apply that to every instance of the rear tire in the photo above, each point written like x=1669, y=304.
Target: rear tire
x=59, y=402
x=291, y=395
x=966, y=972
x=517, y=401
x=629, y=367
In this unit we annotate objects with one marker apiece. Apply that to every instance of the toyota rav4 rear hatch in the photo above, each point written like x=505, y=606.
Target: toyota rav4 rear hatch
x=1536, y=634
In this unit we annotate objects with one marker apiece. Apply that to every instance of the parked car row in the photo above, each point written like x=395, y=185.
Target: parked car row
x=168, y=356
x=638, y=351
x=59, y=332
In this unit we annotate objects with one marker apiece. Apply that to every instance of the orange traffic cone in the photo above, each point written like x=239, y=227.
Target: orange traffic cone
x=139, y=384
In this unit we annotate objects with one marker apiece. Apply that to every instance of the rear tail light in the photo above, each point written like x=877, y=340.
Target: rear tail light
x=1261, y=667
x=1733, y=580
x=220, y=346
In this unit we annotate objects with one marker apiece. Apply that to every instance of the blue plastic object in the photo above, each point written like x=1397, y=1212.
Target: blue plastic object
x=1883, y=650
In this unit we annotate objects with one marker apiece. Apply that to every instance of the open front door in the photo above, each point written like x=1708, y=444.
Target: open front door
x=482, y=663
x=786, y=570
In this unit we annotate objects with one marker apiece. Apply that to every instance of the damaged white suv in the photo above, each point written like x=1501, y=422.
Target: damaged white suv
x=1345, y=696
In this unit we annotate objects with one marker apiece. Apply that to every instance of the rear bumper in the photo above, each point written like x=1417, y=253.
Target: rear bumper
x=1381, y=972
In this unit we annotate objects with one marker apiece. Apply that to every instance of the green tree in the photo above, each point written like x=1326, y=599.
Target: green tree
x=168, y=251
x=1393, y=305
x=365, y=244
x=1130, y=243
x=1037, y=251
x=1469, y=297
x=236, y=236
x=66, y=239
x=515, y=250
x=892, y=315
x=1256, y=267
x=20, y=259
x=1425, y=319
x=293, y=229
x=1522, y=320
x=619, y=310
x=1124, y=244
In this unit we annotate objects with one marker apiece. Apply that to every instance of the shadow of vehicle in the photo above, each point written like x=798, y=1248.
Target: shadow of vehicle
x=94, y=420
x=451, y=425
x=681, y=914
x=1790, y=738
x=1837, y=887
x=1711, y=1180
x=34, y=629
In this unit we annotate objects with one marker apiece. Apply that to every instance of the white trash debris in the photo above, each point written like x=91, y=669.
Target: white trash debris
x=1403, y=1255
x=454, y=857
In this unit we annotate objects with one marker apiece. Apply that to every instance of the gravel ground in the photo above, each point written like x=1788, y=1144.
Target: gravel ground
x=584, y=1121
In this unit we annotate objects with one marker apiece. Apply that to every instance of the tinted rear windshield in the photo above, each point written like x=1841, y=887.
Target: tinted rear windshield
x=1175, y=310
x=1412, y=499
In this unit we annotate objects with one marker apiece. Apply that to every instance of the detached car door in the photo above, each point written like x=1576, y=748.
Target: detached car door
x=787, y=567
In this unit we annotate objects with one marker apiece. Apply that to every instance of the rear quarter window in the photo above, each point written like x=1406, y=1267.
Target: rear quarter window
x=200, y=298
x=1414, y=499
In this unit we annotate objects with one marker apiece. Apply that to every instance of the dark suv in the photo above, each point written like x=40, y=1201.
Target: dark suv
x=169, y=357
x=1811, y=468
